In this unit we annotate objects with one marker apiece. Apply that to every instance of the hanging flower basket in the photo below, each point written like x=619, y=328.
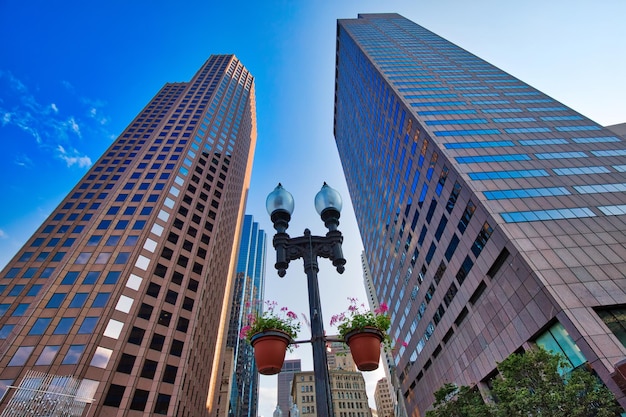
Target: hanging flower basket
x=365, y=347
x=270, y=347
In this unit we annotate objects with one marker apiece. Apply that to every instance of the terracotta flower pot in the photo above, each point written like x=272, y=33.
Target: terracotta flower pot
x=269, y=350
x=365, y=347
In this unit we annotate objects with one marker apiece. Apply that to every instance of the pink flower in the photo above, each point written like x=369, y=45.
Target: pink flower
x=383, y=308
x=292, y=315
x=244, y=331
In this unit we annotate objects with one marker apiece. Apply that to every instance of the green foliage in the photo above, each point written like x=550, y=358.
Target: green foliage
x=536, y=383
x=452, y=401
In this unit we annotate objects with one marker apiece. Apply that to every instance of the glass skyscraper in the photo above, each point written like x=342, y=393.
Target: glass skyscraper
x=248, y=295
x=118, y=304
x=493, y=217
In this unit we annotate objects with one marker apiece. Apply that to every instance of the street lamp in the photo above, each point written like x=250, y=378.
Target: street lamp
x=280, y=206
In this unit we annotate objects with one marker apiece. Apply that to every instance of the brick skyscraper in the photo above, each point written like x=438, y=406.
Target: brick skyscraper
x=493, y=217
x=119, y=303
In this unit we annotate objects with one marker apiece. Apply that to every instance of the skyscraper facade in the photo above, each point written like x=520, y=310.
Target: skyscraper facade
x=384, y=398
x=493, y=217
x=247, y=299
x=285, y=378
x=119, y=303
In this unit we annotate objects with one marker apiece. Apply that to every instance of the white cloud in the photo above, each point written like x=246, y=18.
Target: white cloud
x=74, y=158
x=74, y=126
x=3, y=234
x=24, y=161
x=52, y=132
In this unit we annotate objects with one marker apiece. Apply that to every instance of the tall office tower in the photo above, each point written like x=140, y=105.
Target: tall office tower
x=285, y=377
x=383, y=398
x=247, y=299
x=492, y=216
x=119, y=303
x=389, y=365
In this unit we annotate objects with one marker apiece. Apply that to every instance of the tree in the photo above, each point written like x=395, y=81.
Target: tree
x=453, y=401
x=536, y=383
x=540, y=383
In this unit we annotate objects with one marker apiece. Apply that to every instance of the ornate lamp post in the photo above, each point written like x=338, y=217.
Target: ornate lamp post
x=328, y=203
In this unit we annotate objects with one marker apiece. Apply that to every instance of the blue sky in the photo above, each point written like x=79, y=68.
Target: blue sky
x=73, y=74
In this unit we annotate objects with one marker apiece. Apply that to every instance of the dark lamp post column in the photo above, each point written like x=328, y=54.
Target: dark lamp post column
x=328, y=204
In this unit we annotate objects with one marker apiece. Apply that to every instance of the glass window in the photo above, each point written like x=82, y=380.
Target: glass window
x=139, y=400
x=20, y=310
x=112, y=241
x=58, y=257
x=6, y=330
x=102, y=258
x=560, y=155
x=557, y=340
x=70, y=278
x=12, y=273
x=115, y=395
x=73, y=354
x=169, y=375
x=16, y=290
x=157, y=342
x=42, y=256
x=136, y=335
x=56, y=300
x=101, y=357
x=529, y=216
x=525, y=193
x=25, y=257
x=34, y=290
x=47, y=355
x=104, y=224
x=94, y=240
x=21, y=356
x=65, y=325
x=112, y=277
x=491, y=158
x=40, y=326
x=47, y=272
x=494, y=175
x=149, y=369
x=121, y=225
x=82, y=258
x=126, y=363
x=615, y=320
x=91, y=277
x=89, y=324
x=79, y=300
x=101, y=299
x=122, y=258
x=163, y=402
